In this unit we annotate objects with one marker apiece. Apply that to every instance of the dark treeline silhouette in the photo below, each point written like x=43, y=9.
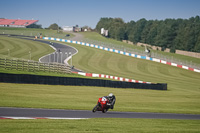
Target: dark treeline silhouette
x=182, y=34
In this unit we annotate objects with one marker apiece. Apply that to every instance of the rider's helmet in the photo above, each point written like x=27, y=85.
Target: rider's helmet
x=110, y=95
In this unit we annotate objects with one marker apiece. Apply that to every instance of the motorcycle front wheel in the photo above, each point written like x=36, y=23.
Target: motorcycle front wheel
x=95, y=109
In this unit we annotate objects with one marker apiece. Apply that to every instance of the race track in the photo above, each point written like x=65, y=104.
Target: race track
x=62, y=52
x=55, y=57
x=29, y=112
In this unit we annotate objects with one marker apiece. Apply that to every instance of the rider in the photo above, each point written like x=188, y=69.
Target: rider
x=111, y=98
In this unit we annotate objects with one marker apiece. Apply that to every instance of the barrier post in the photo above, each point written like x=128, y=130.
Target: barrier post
x=11, y=64
x=39, y=66
x=17, y=64
x=5, y=63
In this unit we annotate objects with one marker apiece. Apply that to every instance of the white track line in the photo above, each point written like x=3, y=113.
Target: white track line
x=66, y=60
x=25, y=118
x=48, y=54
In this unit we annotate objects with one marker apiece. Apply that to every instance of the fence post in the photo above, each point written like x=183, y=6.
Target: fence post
x=57, y=68
x=16, y=64
x=11, y=64
x=33, y=66
x=22, y=65
x=44, y=67
x=38, y=66
x=49, y=67
x=28, y=65
x=53, y=67
x=5, y=63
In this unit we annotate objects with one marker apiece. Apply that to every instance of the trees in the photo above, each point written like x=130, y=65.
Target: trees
x=118, y=28
x=197, y=45
x=115, y=27
x=152, y=33
x=139, y=27
x=104, y=23
x=54, y=26
x=183, y=34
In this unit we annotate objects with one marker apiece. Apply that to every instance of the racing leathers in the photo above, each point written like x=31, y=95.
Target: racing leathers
x=111, y=100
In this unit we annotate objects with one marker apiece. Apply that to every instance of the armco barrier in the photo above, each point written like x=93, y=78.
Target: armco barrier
x=123, y=53
x=51, y=80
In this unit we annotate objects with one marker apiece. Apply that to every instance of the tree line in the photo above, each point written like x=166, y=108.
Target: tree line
x=182, y=34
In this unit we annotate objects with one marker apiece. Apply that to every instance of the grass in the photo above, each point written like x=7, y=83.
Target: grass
x=85, y=98
x=19, y=48
x=182, y=95
x=95, y=37
x=100, y=61
x=183, y=85
x=34, y=32
x=100, y=125
x=2, y=70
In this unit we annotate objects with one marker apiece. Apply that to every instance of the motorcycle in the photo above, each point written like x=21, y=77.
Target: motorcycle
x=102, y=105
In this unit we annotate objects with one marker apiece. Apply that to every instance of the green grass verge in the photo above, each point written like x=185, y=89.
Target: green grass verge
x=94, y=36
x=2, y=70
x=85, y=98
x=34, y=32
x=20, y=48
x=100, y=61
x=100, y=125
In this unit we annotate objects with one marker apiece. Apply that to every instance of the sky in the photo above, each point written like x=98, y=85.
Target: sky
x=89, y=12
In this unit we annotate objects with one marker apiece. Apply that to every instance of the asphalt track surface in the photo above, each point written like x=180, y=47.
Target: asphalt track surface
x=62, y=52
x=30, y=112
x=57, y=57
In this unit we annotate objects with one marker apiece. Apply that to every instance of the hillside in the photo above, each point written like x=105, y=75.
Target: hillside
x=95, y=38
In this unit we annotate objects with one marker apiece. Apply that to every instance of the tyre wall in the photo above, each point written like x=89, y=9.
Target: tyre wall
x=52, y=80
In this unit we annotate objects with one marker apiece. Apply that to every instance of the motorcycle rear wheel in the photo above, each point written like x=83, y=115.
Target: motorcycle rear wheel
x=104, y=110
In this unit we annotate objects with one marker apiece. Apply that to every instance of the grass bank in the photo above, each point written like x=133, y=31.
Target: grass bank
x=24, y=49
x=94, y=37
x=100, y=125
x=85, y=98
x=35, y=32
